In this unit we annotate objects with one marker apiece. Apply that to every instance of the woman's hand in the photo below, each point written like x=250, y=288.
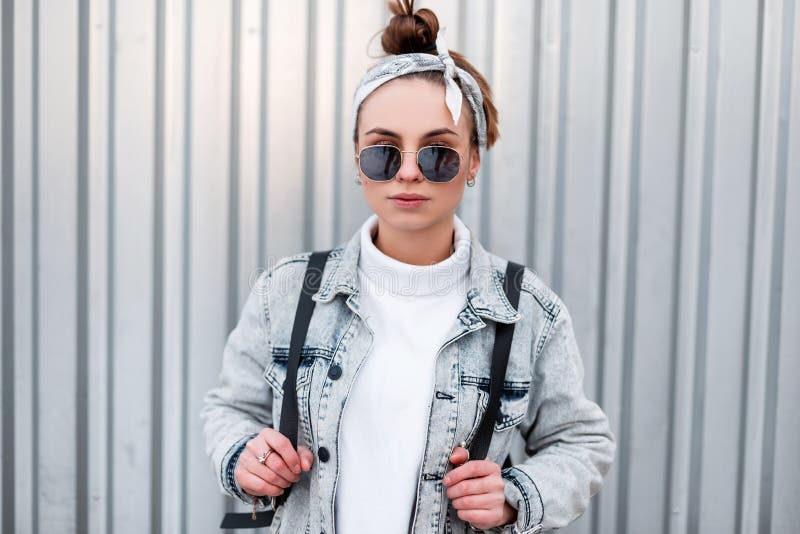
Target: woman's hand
x=281, y=470
x=476, y=491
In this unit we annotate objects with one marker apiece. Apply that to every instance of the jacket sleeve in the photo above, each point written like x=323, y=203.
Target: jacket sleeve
x=240, y=405
x=567, y=437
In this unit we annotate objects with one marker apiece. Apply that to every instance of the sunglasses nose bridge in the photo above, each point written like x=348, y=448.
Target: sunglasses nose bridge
x=414, y=171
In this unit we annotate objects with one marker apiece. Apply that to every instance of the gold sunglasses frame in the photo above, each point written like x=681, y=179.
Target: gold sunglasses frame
x=358, y=162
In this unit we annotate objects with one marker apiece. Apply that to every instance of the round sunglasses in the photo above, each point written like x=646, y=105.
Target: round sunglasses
x=381, y=163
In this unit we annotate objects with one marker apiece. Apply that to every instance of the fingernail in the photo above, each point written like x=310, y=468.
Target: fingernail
x=296, y=468
x=446, y=480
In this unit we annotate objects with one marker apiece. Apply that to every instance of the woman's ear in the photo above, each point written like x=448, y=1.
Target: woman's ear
x=474, y=161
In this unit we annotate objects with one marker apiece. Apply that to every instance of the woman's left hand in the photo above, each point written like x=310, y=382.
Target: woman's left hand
x=476, y=490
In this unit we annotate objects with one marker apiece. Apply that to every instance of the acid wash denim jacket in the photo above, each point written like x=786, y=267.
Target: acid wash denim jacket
x=569, y=443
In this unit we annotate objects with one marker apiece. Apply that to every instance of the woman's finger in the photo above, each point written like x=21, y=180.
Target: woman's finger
x=481, y=501
x=471, y=469
x=274, y=460
x=306, y=457
x=254, y=485
x=459, y=455
x=479, y=519
x=266, y=472
x=281, y=444
x=474, y=486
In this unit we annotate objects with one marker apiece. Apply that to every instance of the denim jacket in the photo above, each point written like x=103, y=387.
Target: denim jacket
x=568, y=441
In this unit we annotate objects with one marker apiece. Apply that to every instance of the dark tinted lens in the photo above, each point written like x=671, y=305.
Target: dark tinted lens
x=439, y=163
x=380, y=162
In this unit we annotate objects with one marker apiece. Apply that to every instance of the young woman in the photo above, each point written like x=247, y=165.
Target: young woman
x=394, y=376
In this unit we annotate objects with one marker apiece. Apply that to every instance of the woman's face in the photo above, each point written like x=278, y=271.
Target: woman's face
x=411, y=114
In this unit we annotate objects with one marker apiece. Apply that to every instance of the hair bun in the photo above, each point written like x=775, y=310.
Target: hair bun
x=409, y=31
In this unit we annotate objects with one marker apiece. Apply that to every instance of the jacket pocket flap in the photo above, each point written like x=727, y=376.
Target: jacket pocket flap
x=275, y=372
x=513, y=400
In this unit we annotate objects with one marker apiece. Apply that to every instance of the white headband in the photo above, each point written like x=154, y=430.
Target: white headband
x=401, y=64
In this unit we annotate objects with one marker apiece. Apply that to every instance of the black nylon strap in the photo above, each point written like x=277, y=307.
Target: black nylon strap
x=504, y=333
x=245, y=520
x=302, y=318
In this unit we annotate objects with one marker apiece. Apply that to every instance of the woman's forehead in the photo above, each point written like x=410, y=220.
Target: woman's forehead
x=410, y=107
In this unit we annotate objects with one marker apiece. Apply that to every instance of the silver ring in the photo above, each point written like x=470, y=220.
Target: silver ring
x=262, y=459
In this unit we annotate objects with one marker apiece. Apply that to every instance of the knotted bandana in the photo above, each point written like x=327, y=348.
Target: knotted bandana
x=400, y=64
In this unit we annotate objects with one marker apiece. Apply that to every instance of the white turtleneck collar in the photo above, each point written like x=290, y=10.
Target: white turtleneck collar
x=384, y=273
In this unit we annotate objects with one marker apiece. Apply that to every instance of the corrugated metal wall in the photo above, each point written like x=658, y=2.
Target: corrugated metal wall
x=155, y=153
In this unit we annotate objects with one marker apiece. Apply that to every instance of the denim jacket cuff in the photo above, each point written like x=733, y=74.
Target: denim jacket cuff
x=229, y=482
x=521, y=493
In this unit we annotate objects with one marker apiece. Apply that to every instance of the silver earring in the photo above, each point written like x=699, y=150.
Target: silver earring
x=471, y=182
x=358, y=179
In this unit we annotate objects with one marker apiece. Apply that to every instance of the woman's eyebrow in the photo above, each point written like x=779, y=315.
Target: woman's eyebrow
x=432, y=133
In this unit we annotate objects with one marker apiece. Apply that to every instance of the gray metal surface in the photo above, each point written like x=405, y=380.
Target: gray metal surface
x=156, y=153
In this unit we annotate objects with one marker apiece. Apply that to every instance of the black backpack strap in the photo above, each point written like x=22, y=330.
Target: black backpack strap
x=289, y=416
x=245, y=520
x=502, y=346
x=302, y=318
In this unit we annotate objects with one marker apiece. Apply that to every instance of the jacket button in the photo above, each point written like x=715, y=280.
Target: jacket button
x=334, y=372
x=323, y=454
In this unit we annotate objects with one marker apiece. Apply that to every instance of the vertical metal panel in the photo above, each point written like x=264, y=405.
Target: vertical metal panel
x=757, y=476
x=58, y=226
x=706, y=168
x=132, y=249
x=690, y=281
x=287, y=55
x=547, y=137
x=360, y=21
x=650, y=348
x=324, y=94
x=208, y=234
x=580, y=178
x=768, y=444
x=81, y=281
x=164, y=152
x=601, y=510
x=174, y=379
x=622, y=17
x=23, y=256
x=249, y=143
x=7, y=267
x=506, y=189
x=583, y=178
x=785, y=492
x=474, y=22
x=717, y=491
x=100, y=234
x=785, y=513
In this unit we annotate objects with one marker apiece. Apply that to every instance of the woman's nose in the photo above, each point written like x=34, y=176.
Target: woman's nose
x=409, y=170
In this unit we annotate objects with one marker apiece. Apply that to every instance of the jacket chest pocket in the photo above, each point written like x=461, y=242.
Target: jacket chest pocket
x=275, y=375
x=513, y=402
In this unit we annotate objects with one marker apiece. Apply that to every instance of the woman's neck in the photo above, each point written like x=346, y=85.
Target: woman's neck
x=416, y=247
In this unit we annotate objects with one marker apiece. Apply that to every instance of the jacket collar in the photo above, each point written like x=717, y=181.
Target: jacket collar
x=485, y=294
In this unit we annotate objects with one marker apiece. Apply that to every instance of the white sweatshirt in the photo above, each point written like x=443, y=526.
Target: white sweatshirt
x=410, y=309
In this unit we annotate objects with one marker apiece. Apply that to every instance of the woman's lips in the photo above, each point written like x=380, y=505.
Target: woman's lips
x=408, y=203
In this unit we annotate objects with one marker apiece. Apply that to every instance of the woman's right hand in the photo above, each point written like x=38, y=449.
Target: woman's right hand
x=281, y=469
